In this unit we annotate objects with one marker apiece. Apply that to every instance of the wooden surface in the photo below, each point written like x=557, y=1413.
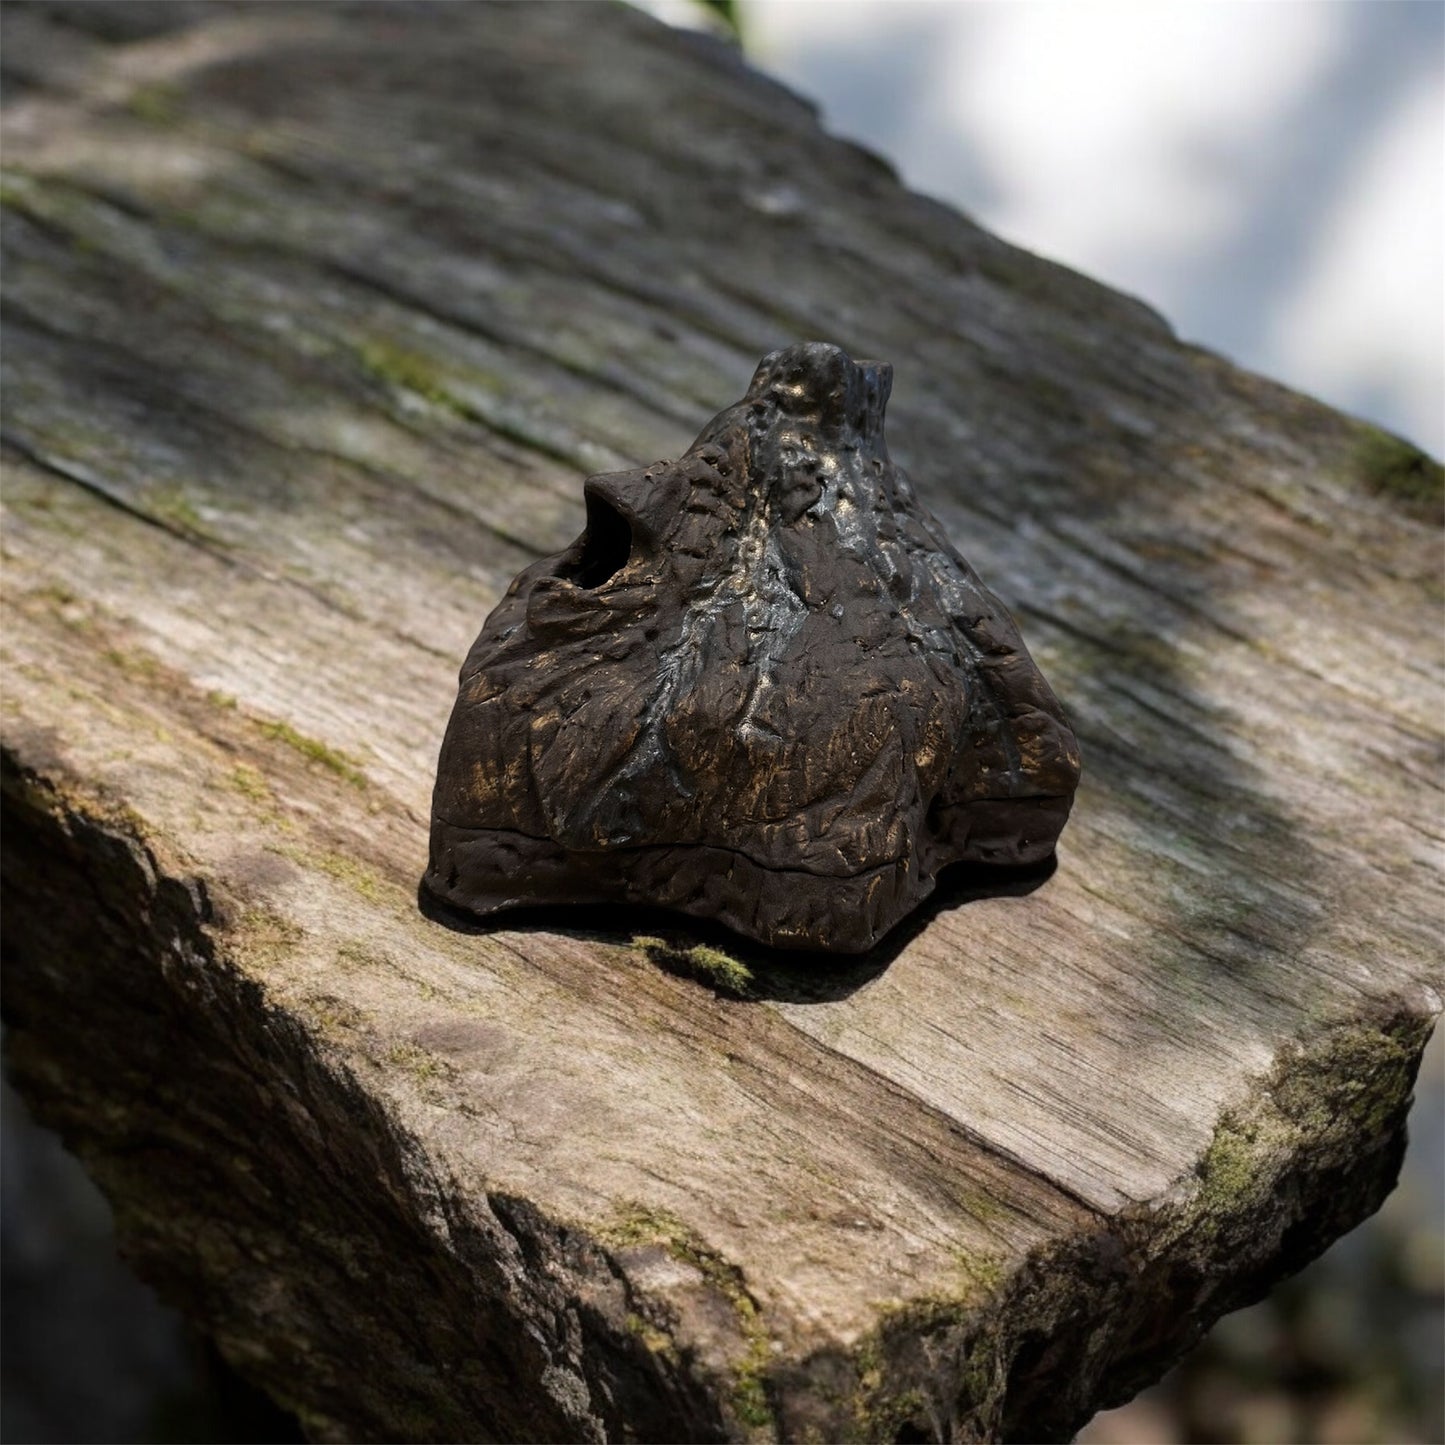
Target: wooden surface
x=314, y=322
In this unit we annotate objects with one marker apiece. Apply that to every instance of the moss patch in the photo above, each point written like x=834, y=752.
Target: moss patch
x=421, y=1064
x=170, y=506
x=18, y=192
x=718, y=970
x=1389, y=466
x=265, y=937
x=345, y=870
x=134, y=664
x=156, y=104
x=342, y=764
x=410, y=371
x=637, y=1225
x=260, y=925
x=982, y=1273
x=401, y=369
x=1326, y=1105
x=334, y=1016
x=56, y=592
x=656, y=1340
x=353, y=954
x=247, y=781
x=1103, y=1312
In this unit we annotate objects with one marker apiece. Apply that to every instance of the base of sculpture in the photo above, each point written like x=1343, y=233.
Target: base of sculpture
x=484, y=871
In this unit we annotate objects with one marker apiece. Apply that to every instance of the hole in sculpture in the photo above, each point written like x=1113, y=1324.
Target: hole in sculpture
x=606, y=544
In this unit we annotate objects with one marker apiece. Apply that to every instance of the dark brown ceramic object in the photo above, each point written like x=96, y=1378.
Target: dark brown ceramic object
x=760, y=688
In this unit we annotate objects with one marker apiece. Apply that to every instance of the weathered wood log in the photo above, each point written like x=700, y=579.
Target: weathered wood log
x=315, y=319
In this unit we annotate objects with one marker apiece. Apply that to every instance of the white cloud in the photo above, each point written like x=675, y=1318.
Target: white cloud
x=1126, y=136
x=1121, y=138
x=1367, y=320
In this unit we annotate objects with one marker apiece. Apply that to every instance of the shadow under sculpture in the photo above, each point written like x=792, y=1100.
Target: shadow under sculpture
x=761, y=688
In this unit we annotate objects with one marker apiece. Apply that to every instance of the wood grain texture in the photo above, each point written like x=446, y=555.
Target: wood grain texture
x=315, y=320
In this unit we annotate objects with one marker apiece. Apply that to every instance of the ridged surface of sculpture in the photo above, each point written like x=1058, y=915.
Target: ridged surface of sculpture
x=761, y=687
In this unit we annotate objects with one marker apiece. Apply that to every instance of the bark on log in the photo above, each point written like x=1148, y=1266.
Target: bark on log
x=315, y=319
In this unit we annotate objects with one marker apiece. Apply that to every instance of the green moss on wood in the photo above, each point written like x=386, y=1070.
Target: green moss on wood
x=266, y=937
x=134, y=664
x=1389, y=466
x=250, y=783
x=711, y=966
x=355, y=954
x=421, y=1064
x=1345, y=1095
x=982, y=1273
x=342, y=764
x=639, y=1224
x=463, y=392
x=56, y=592
x=335, y=865
x=656, y=1340
x=171, y=505
x=20, y=192
x=410, y=371
x=328, y=1014
x=156, y=104
x=879, y=1409
x=1355, y=1085
x=261, y=925
x=1286, y=1170
x=349, y=871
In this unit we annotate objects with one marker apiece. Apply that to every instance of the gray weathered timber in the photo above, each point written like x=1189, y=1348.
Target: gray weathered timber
x=314, y=321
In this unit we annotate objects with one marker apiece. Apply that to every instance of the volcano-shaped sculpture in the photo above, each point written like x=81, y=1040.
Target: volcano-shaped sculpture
x=761, y=688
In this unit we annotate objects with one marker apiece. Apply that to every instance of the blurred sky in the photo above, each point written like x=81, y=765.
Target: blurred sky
x=1270, y=174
